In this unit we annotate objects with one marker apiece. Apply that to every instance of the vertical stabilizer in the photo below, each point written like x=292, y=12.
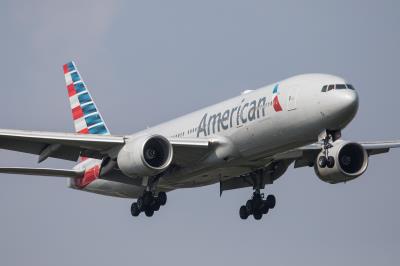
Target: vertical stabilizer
x=86, y=116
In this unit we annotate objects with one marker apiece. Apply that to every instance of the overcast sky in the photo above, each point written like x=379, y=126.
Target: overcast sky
x=149, y=61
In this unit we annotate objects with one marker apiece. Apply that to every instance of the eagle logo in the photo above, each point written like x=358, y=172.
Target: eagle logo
x=275, y=102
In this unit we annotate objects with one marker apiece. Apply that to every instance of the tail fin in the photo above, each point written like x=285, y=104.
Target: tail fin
x=87, y=118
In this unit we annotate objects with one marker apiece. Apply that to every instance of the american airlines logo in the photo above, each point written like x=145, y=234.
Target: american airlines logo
x=238, y=115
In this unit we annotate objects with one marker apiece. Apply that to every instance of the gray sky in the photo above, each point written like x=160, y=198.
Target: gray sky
x=149, y=61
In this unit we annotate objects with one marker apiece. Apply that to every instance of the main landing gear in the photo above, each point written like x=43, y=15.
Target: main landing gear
x=257, y=206
x=148, y=203
x=326, y=160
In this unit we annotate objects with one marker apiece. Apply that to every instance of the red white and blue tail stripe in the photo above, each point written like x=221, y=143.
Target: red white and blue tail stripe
x=87, y=118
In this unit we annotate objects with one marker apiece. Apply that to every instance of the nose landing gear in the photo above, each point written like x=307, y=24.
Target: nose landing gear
x=326, y=160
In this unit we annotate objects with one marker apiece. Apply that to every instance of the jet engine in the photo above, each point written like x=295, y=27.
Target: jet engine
x=350, y=160
x=145, y=156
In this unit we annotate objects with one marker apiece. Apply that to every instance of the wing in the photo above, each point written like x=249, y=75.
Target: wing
x=306, y=156
x=42, y=171
x=67, y=146
x=189, y=150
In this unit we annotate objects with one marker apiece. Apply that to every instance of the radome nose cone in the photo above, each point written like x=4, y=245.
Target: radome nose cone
x=349, y=103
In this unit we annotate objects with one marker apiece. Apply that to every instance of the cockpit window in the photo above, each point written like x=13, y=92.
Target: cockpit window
x=330, y=87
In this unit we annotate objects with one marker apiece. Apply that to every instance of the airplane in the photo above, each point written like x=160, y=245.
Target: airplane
x=246, y=141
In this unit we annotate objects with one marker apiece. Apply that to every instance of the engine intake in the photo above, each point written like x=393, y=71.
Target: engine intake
x=145, y=156
x=351, y=161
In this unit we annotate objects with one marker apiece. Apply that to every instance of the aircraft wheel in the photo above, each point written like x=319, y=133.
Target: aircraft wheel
x=147, y=198
x=257, y=214
x=149, y=212
x=162, y=198
x=330, y=162
x=322, y=161
x=265, y=207
x=135, y=211
x=249, y=206
x=243, y=212
x=271, y=201
x=140, y=203
x=156, y=206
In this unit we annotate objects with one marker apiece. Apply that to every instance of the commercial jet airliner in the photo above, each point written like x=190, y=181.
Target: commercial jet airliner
x=246, y=141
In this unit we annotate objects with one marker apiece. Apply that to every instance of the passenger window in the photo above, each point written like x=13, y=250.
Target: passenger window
x=340, y=86
x=331, y=87
x=324, y=88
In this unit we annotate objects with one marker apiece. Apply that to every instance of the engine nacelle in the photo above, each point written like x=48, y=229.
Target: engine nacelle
x=351, y=161
x=145, y=156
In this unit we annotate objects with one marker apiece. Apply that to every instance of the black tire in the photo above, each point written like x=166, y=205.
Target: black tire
x=162, y=198
x=271, y=201
x=322, y=161
x=147, y=198
x=135, y=209
x=156, y=206
x=149, y=212
x=140, y=204
x=265, y=207
x=243, y=212
x=331, y=162
x=249, y=206
x=257, y=214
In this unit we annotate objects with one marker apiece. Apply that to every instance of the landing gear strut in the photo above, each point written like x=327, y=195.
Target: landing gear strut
x=326, y=160
x=148, y=203
x=257, y=206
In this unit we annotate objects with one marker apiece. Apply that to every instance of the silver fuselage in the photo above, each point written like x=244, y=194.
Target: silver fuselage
x=254, y=127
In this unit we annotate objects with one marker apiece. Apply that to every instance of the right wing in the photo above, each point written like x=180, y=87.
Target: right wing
x=67, y=146
x=190, y=150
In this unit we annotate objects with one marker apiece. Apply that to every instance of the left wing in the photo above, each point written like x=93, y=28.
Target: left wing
x=306, y=156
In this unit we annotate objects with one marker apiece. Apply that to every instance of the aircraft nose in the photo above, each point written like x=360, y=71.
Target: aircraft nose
x=348, y=101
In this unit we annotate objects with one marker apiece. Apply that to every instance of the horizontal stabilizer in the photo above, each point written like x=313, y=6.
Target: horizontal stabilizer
x=41, y=172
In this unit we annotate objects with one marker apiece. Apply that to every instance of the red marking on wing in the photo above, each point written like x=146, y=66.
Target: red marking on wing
x=65, y=68
x=277, y=105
